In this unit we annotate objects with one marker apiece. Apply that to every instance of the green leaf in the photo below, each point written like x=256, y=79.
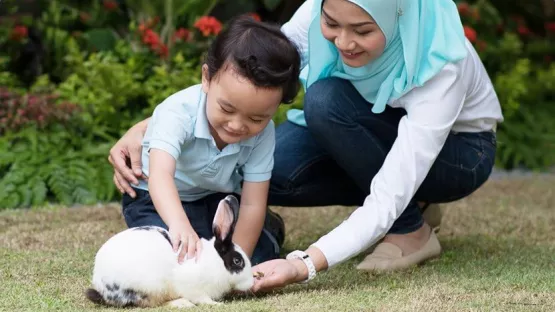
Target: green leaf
x=101, y=39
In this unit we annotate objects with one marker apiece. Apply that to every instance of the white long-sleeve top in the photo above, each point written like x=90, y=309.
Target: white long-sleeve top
x=460, y=98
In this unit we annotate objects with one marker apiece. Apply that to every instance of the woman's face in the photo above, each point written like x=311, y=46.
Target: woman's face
x=353, y=31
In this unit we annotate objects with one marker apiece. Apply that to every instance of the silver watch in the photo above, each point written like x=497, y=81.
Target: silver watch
x=298, y=254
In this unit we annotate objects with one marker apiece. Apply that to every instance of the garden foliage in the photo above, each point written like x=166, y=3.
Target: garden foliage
x=75, y=75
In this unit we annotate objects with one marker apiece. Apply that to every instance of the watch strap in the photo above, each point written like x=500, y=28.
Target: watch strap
x=298, y=254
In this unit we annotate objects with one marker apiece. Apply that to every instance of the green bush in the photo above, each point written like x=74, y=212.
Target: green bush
x=61, y=166
x=165, y=81
x=527, y=137
x=114, y=63
x=516, y=52
x=104, y=88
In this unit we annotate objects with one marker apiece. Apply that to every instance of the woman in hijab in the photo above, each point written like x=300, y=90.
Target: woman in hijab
x=400, y=109
x=399, y=113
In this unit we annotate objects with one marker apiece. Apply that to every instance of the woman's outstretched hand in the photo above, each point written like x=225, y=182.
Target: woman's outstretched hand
x=278, y=273
x=125, y=157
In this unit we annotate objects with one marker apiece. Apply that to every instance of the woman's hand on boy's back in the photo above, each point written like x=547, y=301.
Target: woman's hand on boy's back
x=125, y=157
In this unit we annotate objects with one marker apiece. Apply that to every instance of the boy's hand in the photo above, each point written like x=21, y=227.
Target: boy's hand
x=184, y=234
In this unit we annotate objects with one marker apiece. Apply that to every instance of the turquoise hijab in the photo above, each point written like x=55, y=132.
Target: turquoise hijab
x=421, y=37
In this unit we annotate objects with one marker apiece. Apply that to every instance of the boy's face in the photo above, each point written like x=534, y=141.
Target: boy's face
x=236, y=109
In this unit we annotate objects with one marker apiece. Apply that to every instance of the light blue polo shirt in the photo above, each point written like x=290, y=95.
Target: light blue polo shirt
x=179, y=127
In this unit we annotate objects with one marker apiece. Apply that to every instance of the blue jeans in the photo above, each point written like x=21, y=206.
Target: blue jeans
x=140, y=211
x=334, y=159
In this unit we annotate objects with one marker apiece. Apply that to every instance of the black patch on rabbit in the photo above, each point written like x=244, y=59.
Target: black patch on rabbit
x=113, y=287
x=233, y=260
x=94, y=296
x=155, y=228
x=116, y=297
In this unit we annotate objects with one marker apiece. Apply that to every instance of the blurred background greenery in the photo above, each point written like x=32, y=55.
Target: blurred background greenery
x=75, y=75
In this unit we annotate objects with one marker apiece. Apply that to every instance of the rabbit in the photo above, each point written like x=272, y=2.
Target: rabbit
x=138, y=267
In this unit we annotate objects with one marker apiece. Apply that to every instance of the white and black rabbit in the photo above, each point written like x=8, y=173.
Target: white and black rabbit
x=137, y=267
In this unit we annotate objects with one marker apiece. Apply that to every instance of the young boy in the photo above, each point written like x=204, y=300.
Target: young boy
x=217, y=138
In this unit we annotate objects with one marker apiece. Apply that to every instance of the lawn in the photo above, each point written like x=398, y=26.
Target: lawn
x=499, y=255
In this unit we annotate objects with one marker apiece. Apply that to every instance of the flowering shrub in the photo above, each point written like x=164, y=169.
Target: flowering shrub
x=13, y=37
x=487, y=28
x=103, y=65
x=110, y=5
x=19, y=111
x=165, y=43
x=208, y=25
x=19, y=33
x=518, y=56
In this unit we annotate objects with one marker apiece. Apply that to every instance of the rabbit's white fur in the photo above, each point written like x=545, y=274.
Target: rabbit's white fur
x=143, y=262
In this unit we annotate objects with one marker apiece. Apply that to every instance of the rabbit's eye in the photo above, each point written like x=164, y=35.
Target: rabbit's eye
x=238, y=262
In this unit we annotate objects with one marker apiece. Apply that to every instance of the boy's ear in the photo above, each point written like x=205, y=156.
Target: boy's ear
x=205, y=78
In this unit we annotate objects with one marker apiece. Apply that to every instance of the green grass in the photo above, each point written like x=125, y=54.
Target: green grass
x=499, y=255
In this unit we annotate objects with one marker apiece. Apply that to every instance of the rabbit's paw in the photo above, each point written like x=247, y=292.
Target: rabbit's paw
x=180, y=303
x=206, y=300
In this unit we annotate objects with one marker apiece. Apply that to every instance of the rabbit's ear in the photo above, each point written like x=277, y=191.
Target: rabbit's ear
x=224, y=219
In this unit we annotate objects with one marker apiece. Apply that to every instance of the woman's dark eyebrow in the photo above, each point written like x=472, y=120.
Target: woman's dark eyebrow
x=352, y=25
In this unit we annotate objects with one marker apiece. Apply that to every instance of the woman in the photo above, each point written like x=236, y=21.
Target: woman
x=399, y=112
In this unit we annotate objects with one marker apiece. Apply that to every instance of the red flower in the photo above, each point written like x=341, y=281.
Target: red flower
x=208, y=25
x=19, y=33
x=523, y=30
x=183, y=34
x=110, y=5
x=255, y=16
x=151, y=38
x=150, y=23
x=548, y=59
x=470, y=33
x=550, y=27
x=162, y=50
x=464, y=8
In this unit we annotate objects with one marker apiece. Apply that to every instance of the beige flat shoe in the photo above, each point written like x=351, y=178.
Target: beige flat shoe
x=388, y=257
x=432, y=216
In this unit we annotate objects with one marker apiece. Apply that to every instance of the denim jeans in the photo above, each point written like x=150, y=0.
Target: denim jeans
x=334, y=159
x=140, y=211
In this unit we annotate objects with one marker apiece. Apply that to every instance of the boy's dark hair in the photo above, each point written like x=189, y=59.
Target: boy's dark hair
x=259, y=52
